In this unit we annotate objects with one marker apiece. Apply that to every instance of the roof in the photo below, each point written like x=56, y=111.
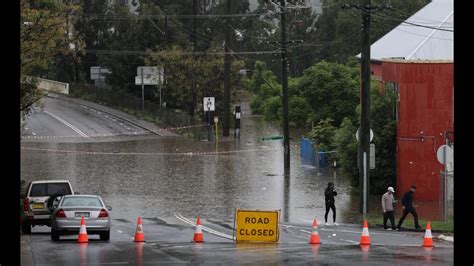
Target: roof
x=418, y=61
x=412, y=42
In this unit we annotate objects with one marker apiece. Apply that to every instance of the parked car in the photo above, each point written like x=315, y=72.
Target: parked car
x=40, y=199
x=66, y=218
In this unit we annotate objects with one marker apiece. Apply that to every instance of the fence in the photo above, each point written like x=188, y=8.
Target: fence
x=130, y=103
x=312, y=156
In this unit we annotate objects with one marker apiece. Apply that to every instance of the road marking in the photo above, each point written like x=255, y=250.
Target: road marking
x=34, y=134
x=350, y=241
x=67, y=124
x=120, y=231
x=204, y=228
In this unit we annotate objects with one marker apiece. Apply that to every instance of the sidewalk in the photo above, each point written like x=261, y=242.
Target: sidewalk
x=130, y=118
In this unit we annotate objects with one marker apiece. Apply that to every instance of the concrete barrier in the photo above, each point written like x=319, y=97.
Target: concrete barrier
x=52, y=85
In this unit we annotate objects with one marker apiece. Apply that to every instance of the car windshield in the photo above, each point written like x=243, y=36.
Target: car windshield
x=81, y=201
x=49, y=189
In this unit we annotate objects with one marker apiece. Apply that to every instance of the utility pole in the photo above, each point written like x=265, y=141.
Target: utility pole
x=284, y=69
x=364, y=143
x=225, y=122
x=194, y=97
x=364, y=132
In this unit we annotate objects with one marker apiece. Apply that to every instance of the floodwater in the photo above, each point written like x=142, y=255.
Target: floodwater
x=158, y=176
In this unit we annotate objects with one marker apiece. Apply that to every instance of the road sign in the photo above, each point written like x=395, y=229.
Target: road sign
x=209, y=104
x=149, y=70
x=256, y=226
x=449, y=154
x=99, y=73
x=152, y=75
x=371, y=135
x=147, y=80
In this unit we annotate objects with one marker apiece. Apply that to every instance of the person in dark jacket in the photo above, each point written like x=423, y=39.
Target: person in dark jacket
x=407, y=202
x=329, y=194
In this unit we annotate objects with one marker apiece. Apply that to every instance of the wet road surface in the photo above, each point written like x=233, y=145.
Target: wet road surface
x=157, y=177
x=168, y=241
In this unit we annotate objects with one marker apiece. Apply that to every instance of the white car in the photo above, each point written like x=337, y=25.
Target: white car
x=66, y=218
x=40, y=200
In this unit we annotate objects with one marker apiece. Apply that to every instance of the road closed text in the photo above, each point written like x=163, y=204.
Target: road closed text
x=256, y=226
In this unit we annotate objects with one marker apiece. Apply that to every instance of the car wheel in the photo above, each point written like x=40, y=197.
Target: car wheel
x=54, y=235
x=26, y=227
x=105, y=235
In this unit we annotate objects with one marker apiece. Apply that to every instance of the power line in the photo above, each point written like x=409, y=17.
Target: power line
x=421, y=35
x=209, y=16
x=439, y=25
x=131, y=52
x=413, y=17
x=406, y=22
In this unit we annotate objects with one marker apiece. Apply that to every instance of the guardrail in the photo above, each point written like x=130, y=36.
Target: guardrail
x=52, y=85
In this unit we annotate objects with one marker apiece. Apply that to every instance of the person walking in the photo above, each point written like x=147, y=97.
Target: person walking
x=387, y=207
x=407, y=202
x=329, y=194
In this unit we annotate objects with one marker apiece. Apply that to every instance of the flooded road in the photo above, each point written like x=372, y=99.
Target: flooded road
x=166, y=179
x=157, y=176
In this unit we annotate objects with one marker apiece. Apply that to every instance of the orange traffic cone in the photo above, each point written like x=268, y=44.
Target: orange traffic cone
x=428, y=240
x=198, y=232
x=83, y=238
x=314, y=238
x=139, y=236
x=365, y=238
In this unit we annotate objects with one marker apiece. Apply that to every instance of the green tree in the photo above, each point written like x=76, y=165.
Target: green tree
x=382, y=120
x=331, y=91
x=208, y=71
x=299, y=111
x=42, y=38
x=323, y=133
x=346, y=149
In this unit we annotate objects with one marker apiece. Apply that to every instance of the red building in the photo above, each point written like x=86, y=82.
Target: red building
x=425, y=112
x=417, y=61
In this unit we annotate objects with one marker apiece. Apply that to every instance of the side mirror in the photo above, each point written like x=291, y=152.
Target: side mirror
x=109, y=208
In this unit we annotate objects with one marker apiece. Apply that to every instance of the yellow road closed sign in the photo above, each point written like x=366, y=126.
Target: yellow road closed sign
x=256, y=226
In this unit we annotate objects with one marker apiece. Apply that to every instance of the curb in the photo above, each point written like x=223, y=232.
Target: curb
x=413, y=230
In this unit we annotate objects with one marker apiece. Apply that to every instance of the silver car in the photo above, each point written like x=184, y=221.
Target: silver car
x=66, y=218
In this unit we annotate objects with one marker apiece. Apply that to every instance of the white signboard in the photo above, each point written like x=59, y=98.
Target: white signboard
x=208, y=104
x=152, y=75
x=147, y=80
x=98, y=73
x=148, y=71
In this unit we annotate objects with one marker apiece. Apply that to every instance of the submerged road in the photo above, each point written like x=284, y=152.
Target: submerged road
x=168, y=241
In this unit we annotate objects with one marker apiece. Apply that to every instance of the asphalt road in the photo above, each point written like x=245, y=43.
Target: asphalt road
x=168, y=241
x=60, y=119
